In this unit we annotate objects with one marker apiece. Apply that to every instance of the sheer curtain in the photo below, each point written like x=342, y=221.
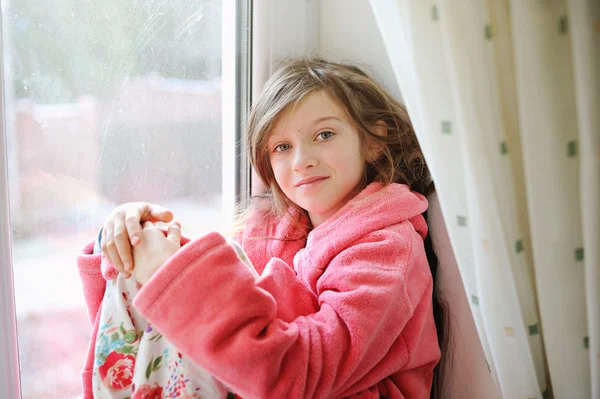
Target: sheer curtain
x=505, y=98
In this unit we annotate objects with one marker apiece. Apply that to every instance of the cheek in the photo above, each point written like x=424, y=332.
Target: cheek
x=350, y=161
x=278, y=169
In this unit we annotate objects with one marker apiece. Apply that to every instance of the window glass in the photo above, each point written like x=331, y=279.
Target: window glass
x=106, y=102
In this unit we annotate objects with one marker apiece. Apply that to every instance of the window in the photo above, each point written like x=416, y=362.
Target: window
x=105, y=103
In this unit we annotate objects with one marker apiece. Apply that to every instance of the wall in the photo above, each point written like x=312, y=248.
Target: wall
x=348, y=32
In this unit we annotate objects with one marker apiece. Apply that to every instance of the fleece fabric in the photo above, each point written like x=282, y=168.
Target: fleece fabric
x=344, y=310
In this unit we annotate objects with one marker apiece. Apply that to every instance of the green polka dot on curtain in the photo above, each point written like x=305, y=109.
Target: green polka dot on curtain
x=504, y=148
x=533, y=329
x=489, y=32
x=434, y=13
x=462, y=221
x=446, y=127
x=572, y=148
x=586, y=342
x=475, y=300
x=563, y=25
x=519, y=246
x=579, y=254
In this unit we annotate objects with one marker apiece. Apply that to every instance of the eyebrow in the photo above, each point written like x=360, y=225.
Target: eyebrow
x=315, y=122
x=326, y=118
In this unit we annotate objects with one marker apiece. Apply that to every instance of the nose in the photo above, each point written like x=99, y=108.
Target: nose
x=304, y=158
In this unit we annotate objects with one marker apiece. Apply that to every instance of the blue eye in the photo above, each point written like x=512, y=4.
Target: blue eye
x=282, y=148
x=325, y=135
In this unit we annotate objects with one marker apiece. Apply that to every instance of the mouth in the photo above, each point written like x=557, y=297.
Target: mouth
x=310, y=180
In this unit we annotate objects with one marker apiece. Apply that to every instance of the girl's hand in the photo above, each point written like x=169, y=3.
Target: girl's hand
x=122, y=229
x=154, y=250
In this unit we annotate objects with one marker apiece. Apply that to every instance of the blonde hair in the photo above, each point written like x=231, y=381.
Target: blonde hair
x=366, y=104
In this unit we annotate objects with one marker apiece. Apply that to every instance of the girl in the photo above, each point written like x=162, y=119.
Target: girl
x=339, y=301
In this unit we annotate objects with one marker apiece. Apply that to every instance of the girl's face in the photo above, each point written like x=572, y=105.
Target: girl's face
x=315, y=154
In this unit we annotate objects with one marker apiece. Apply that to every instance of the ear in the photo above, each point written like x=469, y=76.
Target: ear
x=380, y=129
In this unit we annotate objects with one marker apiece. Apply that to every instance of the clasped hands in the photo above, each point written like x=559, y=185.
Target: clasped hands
x=134, y=244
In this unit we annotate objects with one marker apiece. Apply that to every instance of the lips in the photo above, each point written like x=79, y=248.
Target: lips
x=312, y=179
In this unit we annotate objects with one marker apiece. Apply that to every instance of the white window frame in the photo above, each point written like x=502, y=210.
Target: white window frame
x=10, y=381
x=236, y=72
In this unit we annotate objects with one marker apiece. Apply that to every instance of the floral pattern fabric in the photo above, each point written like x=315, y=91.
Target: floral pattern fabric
x=134, y=361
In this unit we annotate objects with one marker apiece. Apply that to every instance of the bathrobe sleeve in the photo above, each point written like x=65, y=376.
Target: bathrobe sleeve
x=207, y=302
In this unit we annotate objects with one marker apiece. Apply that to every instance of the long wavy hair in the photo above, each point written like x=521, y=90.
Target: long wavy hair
x=367, y=105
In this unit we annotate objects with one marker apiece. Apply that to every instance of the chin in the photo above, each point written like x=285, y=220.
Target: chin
x=316, y=208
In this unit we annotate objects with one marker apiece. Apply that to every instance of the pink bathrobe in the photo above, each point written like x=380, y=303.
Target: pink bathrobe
x=345, y=312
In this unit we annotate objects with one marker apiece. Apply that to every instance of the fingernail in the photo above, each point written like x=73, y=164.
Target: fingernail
x=127, y=266
x=135, y=240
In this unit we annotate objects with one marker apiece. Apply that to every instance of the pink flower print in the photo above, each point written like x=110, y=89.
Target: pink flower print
x=117, y=371
x=146, y=391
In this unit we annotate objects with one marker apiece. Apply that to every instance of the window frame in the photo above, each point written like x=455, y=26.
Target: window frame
x=236, y=72
x=10, y=376
x=10, y=381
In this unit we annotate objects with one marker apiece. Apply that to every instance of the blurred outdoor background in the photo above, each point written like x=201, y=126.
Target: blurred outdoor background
x=106, y=102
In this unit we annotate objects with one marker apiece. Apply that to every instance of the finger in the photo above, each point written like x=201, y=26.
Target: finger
x=155, y=213
x=132, y=222
x=122, y=243
x=106, y=232
x=103, y=241
x=147, y=225
x=174, y=233
x=113, y=254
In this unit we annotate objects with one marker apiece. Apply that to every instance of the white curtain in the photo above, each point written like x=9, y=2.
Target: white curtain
x=505, y=98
